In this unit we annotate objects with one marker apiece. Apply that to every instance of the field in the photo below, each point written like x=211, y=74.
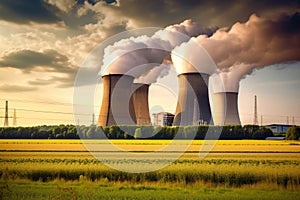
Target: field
x=64, y=169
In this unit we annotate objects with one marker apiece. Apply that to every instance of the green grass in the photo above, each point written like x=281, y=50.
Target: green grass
x=102, y=190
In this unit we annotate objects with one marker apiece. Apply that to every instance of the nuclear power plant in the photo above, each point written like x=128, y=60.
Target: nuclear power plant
x=126, y=103
x=226, y=108
x=117, y=105
x=193, y=103
x=140, y=103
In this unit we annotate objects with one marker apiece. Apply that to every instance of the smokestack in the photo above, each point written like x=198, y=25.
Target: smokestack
x=192, y=97
x=140, y=102
x=226, y=108
x=117, y=105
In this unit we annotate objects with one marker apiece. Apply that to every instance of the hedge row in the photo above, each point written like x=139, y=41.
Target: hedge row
x=134, y=132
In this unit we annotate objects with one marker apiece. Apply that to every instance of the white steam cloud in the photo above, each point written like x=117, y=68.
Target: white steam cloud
x=141, y=57
x=236, y=51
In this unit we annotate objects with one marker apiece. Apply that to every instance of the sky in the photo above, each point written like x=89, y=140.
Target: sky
x=44, y=42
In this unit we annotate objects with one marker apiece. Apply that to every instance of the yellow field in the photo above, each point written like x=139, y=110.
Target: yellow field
x=152, y=145
x=245, y=165
x=147, y=142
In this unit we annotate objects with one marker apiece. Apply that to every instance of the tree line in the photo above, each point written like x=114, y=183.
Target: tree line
x=141, y=132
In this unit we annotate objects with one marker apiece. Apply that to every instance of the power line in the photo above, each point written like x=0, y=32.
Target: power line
x=48, y=111
x=41, y=102
x=51, y=119
x=47, y=102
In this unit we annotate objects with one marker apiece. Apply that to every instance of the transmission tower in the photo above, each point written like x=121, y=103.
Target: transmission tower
x=6, y=115
x=93, y=120
x=15, y=118
x=255, y=120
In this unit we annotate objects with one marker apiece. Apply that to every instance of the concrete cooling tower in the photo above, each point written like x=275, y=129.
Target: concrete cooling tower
x=193, y=103
x=140, y=102
x=226, y=108
x=117, y=105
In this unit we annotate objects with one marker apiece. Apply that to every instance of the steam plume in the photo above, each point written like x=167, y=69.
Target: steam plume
x=142, y=56
x=257, y=43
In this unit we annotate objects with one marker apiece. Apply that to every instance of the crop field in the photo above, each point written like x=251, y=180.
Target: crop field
x=64, y=169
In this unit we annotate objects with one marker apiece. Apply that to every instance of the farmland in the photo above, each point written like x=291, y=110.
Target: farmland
x=62, y=169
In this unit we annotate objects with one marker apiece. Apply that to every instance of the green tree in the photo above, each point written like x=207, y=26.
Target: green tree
x=138, y=133
x=91, y=133
x=146, y=131
x=293, y=133
x=262, y=133
x=71, y=133
x=100, y=132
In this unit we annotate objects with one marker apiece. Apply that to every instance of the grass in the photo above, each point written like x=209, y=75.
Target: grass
x=285, y=173
x=103, y=190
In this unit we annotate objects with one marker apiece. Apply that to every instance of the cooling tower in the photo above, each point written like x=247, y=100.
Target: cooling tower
x=226, y=108
x=140, y=103
x=193, y=104
x=117, y=105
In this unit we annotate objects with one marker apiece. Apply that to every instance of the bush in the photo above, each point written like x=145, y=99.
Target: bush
x=293, y=133
x=138, y=133
x=262, y=133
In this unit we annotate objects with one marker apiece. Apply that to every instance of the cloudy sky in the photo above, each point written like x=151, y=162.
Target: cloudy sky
x=44, y=42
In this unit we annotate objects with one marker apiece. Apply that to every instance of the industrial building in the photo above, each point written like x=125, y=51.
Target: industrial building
x=226, y=108
x=279, y=128
x=117, y=105
x=163, y=119
x=140, y=103
x=193, y=102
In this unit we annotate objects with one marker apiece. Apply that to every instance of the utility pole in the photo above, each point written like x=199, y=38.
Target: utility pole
x=287, y=120
x=261, y=120
x=293, y=121
x=15, y=118
x=6, y=115
x=255, y=120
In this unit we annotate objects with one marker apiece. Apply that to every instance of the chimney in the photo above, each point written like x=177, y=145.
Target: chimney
x=226, y=108
x=117, y=104
x=192, y=97
x=140, y=103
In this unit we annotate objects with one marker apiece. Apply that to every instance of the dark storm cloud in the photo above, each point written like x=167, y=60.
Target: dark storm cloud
x=28, y=60
x=39, y=11
x=16, y=88
x=26, y=11
x=93, y=2
x=46, y=61
x=214, y=12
